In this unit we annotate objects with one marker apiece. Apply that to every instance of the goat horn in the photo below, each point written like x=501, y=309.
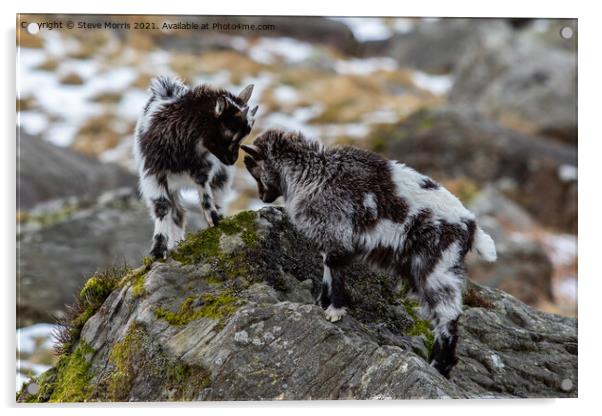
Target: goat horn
x=252, y=151
x=245, y=94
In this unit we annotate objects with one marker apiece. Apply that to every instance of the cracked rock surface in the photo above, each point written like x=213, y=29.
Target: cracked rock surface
x=230, y=316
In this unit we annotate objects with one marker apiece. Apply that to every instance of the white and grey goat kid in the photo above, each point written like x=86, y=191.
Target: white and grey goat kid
x=357, y=205
x=188, y=138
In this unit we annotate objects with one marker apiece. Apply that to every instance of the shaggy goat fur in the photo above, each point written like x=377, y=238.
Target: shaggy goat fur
x=358, y=206
x=185, y=138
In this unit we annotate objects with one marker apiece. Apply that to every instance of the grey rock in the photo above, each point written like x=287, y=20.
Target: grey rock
x=492, y=202
x=523, y=81
x=272, y=343
x=434, y=47
x=46, y=172
x=61, y=244
x=523, y=267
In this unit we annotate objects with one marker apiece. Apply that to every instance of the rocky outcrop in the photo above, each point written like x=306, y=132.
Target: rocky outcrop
x=60, y=244
x=523, y=267
x=230, y=316
x=47, y=172
x=452, y=144
x=434, y=47
x=522, y=80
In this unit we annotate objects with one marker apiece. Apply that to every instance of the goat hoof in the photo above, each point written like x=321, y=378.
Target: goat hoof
x=444, y=366
x=335, y=314
x=215, y=218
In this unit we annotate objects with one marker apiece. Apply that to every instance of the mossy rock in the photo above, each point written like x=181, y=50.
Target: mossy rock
x=188, y=328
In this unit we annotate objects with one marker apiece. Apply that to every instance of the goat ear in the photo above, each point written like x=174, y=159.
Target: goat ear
x=245, y=94
x=253, y=151
x=220, y=105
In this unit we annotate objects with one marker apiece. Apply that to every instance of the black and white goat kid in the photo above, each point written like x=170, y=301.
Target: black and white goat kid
x=358, y=206
x=188, y=138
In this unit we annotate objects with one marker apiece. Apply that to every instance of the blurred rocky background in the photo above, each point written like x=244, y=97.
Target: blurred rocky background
x=485, y=106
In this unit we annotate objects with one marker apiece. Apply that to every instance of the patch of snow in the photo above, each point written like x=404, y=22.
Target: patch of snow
x=541, y=25
x=21, y=378
x=289, y=122
x=131, y=104
x=27, y=337
x=85, y=68
x=562, y=248
x=29, y=58
x=286, y=94
x=568, y=287
x=239, y=43
x=32, y=122
x=61, y=134
x=382, y=116
x=220, y=79
x=567, y=173
x=115, y=80
x=366, y=28
x=268, y=50
x=121, y=154
x=305, y=114
x=353, y=130
x=436, y=84
x=403, y=25
x=365, y=66
x=159, y=58
x=58, y=46
x=35, y=368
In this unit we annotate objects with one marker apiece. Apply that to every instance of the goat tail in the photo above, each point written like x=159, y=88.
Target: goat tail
x=485, y=245
x=164, y=87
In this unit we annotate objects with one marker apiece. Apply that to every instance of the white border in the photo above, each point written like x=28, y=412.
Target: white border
x=589, y=201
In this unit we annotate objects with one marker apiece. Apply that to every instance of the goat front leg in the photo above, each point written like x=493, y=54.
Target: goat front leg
x=333, y=296
x=208, y=204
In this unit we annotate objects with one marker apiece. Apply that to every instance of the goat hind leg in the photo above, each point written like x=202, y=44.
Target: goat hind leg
x=442, y=304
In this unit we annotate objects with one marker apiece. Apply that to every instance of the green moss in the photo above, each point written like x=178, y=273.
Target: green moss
x=206, y=243
x=137, y=354
x=420, y=327
x=73, y=376
x=95, y=292
x=378, y=144
x=204, y=246
x=48, y=219
x=211, y=306
x=138, y=286
x=147, y=261
x=123, y=357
